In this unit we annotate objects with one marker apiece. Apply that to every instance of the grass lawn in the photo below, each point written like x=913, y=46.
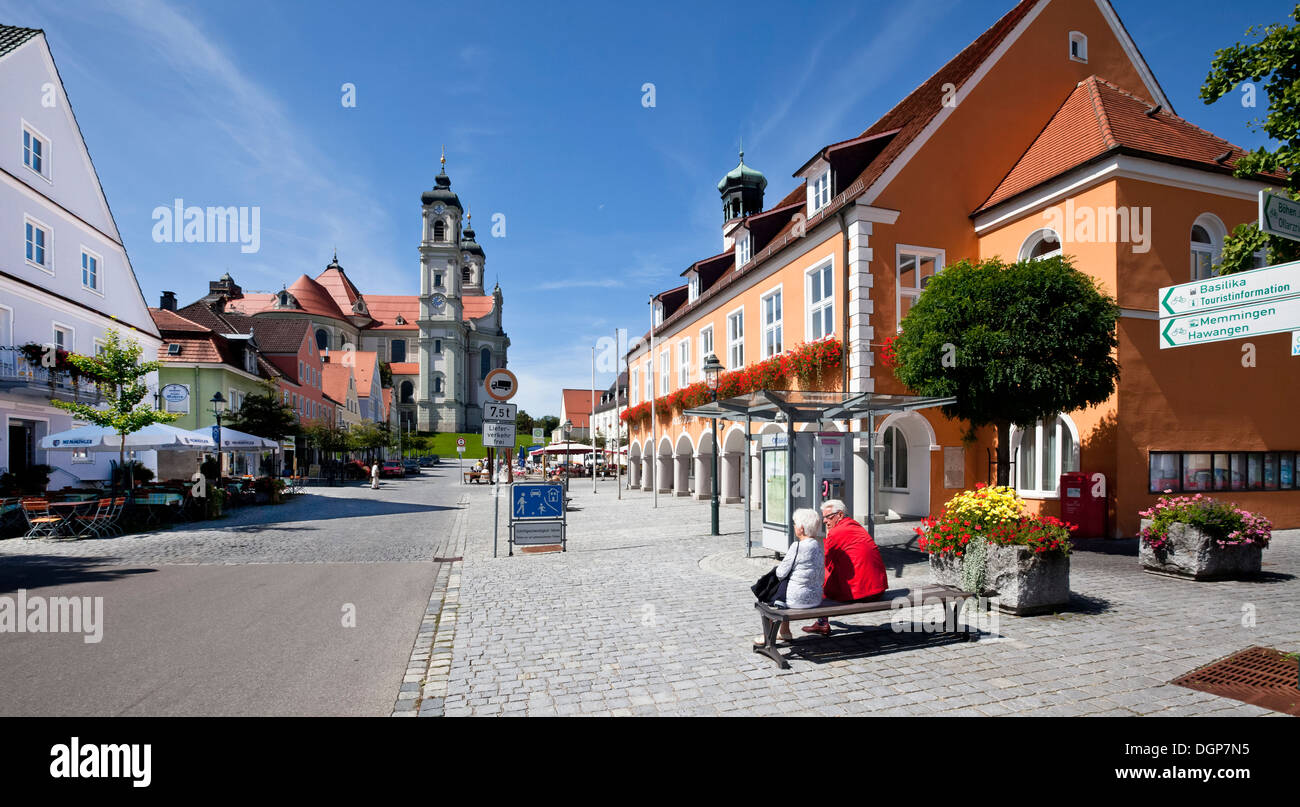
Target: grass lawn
x=444, y=445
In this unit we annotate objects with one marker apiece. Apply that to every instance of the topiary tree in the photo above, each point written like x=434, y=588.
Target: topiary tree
x=1275, y=56
x=1013, y=343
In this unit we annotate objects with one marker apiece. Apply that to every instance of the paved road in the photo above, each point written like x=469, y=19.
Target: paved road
x=243, y=619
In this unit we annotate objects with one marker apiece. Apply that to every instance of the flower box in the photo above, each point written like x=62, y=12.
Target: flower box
x=1024, y=582
x=1192, y=554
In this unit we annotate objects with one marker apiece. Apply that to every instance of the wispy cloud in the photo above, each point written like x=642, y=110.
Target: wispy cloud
x=580, y=282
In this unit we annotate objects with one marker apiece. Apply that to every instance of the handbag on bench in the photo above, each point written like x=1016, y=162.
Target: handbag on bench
x=767, y=586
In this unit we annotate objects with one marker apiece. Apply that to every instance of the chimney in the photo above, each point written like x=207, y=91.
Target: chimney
x=168, y=301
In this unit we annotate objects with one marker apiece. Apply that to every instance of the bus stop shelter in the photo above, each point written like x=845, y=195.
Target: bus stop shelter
x=792, y=407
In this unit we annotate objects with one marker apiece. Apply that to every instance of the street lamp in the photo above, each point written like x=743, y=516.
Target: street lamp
x=712, y=373
x=568, y=425
x=218, y=407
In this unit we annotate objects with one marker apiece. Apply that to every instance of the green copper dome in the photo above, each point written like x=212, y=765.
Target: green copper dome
x=743, y=175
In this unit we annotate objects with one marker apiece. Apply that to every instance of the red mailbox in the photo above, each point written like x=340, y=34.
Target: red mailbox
x=1084, y=502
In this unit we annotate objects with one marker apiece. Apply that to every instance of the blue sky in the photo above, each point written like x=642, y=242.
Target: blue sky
x=539, y=106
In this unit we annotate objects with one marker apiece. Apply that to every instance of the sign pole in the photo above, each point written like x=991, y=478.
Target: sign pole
x=590, y=418
x=654, y=388
x=618, y=426
x=496, y=511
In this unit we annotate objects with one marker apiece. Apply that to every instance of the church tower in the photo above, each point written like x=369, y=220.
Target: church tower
x=442, y=376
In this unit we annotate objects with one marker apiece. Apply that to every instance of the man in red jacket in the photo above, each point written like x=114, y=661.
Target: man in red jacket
x=855, y=572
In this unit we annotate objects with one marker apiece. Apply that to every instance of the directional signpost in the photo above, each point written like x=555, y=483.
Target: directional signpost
x=1279, y=215
x=1237, y=306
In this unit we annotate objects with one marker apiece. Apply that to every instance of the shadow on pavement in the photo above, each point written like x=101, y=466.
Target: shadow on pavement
x=1083, y=604
x=865, y=642
x=40, y=571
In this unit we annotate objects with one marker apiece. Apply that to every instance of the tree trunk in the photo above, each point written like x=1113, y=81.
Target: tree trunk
x=1004, y=452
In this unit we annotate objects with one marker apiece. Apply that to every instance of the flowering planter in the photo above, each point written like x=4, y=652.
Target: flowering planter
x=1191, y=554
x=1024, y=582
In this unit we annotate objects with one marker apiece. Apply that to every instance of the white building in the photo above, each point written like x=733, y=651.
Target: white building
x=64, y=275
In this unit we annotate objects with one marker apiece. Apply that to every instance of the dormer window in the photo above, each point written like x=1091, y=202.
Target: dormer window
x=399, y=320
x=659, y=313
x=693, y=286
x=819, y=190
x=744, y=251
x=1078, y=47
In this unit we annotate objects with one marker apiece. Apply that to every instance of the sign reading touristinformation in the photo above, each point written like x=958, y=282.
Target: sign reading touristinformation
x=1231, y=323
x=498, y=435
x=500, y=384
x=1223, y=291
x=1279, y=215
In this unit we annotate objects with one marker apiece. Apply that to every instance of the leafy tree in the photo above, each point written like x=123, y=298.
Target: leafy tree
x=326, y=437
x=523, y=422
x=120, y=374
x=265, y=414
x=1012, y=343
x=385, y=375
x=371, y=437
x=549, y=423
x=1275, y=56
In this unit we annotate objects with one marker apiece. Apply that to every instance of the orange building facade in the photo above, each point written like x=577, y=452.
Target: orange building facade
x=1047, y=134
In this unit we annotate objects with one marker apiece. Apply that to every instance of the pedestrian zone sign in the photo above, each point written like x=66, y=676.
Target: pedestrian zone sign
x=537, y=501
x=460, y=445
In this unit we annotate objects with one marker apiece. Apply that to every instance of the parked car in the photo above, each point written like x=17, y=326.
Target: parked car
x=392, y=468
x=356, y=469
x=428, y=461
x=412, y=467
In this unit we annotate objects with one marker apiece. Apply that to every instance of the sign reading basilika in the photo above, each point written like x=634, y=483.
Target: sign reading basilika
x=1279, y=215
x=1241, y=322
x=1222, y=291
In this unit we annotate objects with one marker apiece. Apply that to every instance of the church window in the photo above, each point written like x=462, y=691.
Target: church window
x=399, y=350
x=437, y=279
x=408, y=392
x=485, y=362
x=437, y=385
x=439, y=230
x=437, y=345
x=322, y=339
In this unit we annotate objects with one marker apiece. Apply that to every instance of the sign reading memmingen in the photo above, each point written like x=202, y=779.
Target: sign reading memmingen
x=1222, y=291
x=537, y=501
x=498, y=435
x=1231, y=323
x=1279, y=215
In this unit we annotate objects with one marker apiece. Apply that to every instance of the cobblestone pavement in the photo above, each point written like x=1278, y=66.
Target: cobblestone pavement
x=344, y=524
x=647, y=614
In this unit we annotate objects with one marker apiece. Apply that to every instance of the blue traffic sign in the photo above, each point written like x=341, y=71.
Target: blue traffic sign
x=537, y=501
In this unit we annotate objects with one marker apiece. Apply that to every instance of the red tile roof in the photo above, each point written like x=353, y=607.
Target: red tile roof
x=385, y=308
x=1097, y=119
x=405, y=368
x=577, y=406
x=476, y=306
x=171, y=321
x=340, y=288
x=334, y=381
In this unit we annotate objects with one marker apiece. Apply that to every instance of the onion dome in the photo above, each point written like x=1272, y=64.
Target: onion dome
x=467, y=242
x=441, y=191
x=742, y=176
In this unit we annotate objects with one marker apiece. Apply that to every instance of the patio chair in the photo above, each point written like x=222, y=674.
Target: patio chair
x=41, y=523
x=111, y=526
x=95, y=523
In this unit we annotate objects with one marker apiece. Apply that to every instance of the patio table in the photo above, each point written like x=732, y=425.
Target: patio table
x=68, y=511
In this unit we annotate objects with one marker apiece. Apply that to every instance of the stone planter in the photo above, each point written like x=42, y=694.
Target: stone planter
x=1026, y=582
x=1023, y=582
x=1191, y=554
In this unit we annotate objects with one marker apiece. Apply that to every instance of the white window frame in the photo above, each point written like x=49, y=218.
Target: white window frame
x=735, y=343
x=1061, y=422
x=892, y=466
x=826, y=304
x=98, y=288
x=684, y=363
x=744, y=251
x=635, y=382
x=46, y=147
x=48, y=266
x=778, y=326
x=658, y=312
x=706, y=350
x=819, y=191
x=1032, y=241
x=8, y=358
x=1082, y=40
x=693, y=287
x=665, y=369
x=1216, y=230
x=55, y=327
x=650, y=390
x=921, y=252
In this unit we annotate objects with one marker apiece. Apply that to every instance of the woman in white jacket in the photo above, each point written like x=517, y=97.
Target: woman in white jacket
x=802, y=571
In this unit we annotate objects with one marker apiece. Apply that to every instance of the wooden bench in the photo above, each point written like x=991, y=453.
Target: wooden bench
x=951, y=598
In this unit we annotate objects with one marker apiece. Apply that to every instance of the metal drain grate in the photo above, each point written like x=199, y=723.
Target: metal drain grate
x=1259, y=676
